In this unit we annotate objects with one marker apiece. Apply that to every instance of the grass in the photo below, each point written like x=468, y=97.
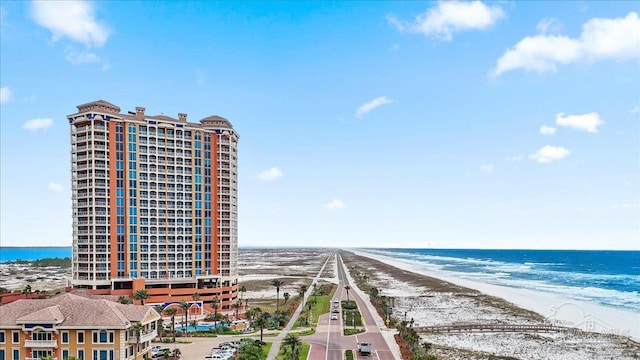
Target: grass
x=352, y=331
x=321, y=305
x=303, y=333
x=304, y=352
x=265, y=350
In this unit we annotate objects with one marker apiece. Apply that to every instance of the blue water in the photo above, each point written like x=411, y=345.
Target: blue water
x=610, y=278
x=200, y=327
x=33, y=253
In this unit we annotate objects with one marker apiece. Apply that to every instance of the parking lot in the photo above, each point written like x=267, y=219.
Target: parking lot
x=200, y=347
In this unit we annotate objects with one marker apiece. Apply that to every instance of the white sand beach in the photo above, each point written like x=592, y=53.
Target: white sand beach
x=560, y=310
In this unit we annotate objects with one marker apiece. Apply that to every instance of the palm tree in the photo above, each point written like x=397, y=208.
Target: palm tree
x=176, y=353
x=309, y=307
x=286, y=297
x=123, y=300
x=303, y=289
x=215, y=302
x=294, y=343
x=277, y=283
x=141, y=295
x=185, y=313
x=315, y=292
x=172, y=312
x=137, y=328
x=243, y=290
x=194, y=324
x=27, y=290
x=235, y=307
x=262, y=321
x=347, y=287
x=160, y=310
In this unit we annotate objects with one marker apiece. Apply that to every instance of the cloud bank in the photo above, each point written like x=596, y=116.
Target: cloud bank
x=601, y=39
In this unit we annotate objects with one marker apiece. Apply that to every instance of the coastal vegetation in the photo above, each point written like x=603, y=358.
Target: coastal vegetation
x=46, y=262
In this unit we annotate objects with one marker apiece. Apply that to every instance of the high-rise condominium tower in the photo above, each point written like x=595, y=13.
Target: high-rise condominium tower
x=154, y=205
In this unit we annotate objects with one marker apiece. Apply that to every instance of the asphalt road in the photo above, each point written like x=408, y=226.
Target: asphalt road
x=329, y=342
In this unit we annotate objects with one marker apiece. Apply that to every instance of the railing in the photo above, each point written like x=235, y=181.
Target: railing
x=40, y=343
x=491, y=328
x=144, y=337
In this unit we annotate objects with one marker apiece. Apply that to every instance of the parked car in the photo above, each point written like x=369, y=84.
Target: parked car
x=334, y=316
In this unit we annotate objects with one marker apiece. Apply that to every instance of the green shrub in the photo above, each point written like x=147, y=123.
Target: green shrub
x=349, y=355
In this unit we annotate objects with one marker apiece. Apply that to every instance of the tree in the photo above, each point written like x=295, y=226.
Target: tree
x=347, y=287
x=123, y=300
x=214, y=304
x=27, y=290
x=294, y=344
x=303, y=289
x=315, y=292
x=286, y=297
x=277, y=283
x=172, y=312
x=309, y=307
x=194, y=324
x=235, y=307
x=137, y=329
x=243, y=290
x=185, y=313
x=176, y=353
x=160, y=310
x=262, y=321
x=141, y=295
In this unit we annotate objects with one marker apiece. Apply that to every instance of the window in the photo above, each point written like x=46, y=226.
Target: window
x=15, y=337
x=103, y=337
x=81, y=353
x=16, y=354
x=2, y=356
x=2, y=337
x=65, y=354
x=103, y=354
x=80, y=338
x=65, y=338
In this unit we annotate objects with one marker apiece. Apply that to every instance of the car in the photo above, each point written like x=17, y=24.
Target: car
x=334, y=316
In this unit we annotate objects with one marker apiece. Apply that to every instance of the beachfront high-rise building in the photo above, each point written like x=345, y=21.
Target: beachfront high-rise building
x=154, y=205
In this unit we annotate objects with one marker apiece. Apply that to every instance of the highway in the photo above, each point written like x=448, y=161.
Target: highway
x=329, y=342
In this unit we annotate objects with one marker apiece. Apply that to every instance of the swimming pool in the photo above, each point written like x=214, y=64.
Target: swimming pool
x=199, y=327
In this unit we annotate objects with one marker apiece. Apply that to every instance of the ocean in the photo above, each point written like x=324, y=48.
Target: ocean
x=610, y=278
x=33, y=253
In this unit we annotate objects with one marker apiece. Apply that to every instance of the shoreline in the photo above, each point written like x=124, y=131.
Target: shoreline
x=556, y=309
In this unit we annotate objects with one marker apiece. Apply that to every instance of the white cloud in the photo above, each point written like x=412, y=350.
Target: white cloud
x=73, y=19
x=486, y=168
x=5, y=95
x=37, y=124
x=77, y=58
x=635, y=110
x=270, y=174
x=549, y=154
x=55, y=187
x=549, y=25
x=335, y=204
x=515, y=157
x=377, y=102
x=448, y=17
x=547, y=130
x=601, y=39
x=587, y=122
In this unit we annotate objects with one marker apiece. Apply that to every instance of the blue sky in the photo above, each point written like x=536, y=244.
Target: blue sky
x=379, y=124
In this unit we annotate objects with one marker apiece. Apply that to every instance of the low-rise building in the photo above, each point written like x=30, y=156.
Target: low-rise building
x=68, y=326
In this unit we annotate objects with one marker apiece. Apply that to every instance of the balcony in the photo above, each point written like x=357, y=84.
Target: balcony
x=40, y=343
x=148, y=336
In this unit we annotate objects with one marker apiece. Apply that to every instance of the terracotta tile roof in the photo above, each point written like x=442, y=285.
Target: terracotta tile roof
x=70, y=310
